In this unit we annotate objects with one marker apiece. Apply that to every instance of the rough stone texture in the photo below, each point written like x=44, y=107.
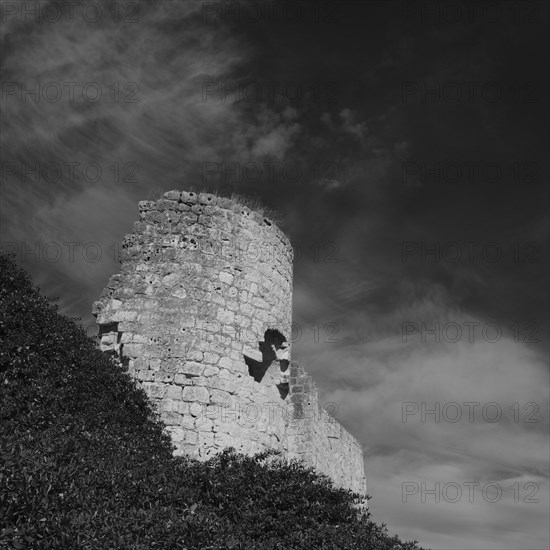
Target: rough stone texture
x=199, y=314
x=316, y=437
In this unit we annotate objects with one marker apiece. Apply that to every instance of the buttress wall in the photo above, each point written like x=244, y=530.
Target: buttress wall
x=316, y=437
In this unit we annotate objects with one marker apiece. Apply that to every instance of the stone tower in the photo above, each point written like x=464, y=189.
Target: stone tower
x=201, y=314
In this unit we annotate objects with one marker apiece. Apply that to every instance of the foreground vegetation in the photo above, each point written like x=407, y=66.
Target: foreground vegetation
x=85, y=463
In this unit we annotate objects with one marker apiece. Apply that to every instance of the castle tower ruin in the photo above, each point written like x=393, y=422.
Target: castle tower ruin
x=201, y=314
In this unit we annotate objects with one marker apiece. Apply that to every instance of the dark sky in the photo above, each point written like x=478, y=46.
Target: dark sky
x=404, y=146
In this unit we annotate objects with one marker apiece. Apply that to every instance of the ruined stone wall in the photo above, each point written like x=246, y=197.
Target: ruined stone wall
x=199, y=313
x=315, y=436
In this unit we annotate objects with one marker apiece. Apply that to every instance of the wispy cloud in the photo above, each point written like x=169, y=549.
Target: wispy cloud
x=435, y=416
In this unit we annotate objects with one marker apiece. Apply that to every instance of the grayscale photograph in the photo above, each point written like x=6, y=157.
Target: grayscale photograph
x=274, y=275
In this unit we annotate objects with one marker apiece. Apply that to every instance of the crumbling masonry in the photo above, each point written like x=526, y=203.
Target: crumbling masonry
x=201, y=314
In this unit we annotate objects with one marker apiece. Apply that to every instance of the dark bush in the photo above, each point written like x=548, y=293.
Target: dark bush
x=85, y=462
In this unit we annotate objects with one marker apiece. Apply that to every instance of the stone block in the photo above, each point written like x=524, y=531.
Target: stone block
x=125, y=316
x=155, y=389
x=172, y=195
x=200, y=381
x=224, y=202
x=195, y=355
x=145, y=375
x=165, y=204
x=226, y=363
x=126, y=338
x=230, y=385
x=183, y=380
x=109, y=338
x=206, y=439
x=173, y=392
x=133, y=350
x=226, y=317
x=170, y=280
x=196, y=394
x=196, y=409
x=154, y=364
x=164, y=377
x=171, y=418
x=220, y=397
x=184, y=408
x=207, y=198
x=210, y=357
x=204, y=424
x=191, y=368
x=147, y=205
x=191, y=438
x=188, y=422
x=151, y=216
x=226, y=277
x=253, y=353
x=210, y=371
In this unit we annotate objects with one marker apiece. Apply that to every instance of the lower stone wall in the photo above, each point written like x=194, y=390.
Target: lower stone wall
x=209, y=408
x=204, y=404
x=249, y=417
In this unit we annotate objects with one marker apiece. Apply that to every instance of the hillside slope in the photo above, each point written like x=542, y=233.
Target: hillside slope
x=85, y=463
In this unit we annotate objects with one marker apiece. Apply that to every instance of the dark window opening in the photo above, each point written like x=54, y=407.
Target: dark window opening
x=107, y=328
x=110, y=341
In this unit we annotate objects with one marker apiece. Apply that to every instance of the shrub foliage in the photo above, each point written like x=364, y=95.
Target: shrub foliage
x=85, y=462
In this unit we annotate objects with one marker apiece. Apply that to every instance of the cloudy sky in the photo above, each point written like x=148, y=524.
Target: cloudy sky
x=404, y=146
